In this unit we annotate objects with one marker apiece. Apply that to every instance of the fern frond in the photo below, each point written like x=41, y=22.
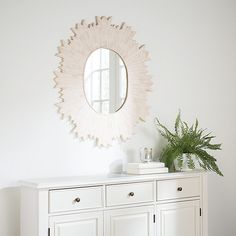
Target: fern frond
x=190, y=162
x=196, y=126
x=177, y=123
x=190, y=140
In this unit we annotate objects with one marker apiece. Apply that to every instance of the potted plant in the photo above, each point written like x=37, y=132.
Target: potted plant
x=188, y=146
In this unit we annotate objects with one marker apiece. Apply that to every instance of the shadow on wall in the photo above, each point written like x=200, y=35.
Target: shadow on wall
x=115, y=167
x=132, y=153
x=10, y=211
x=118, y=166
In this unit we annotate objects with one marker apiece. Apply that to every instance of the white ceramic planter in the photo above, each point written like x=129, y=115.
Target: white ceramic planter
x=184, y=165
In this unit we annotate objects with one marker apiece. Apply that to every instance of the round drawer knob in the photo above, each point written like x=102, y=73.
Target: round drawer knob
x=179, y=189
x=131, y=194
x=77, y=199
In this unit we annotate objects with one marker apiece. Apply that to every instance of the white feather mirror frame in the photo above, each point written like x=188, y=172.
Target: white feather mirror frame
x=87, y=123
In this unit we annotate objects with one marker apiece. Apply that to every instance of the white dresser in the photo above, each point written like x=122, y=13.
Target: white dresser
x=173, y=204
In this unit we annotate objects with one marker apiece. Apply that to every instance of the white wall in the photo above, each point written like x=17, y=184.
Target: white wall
x=193, y=51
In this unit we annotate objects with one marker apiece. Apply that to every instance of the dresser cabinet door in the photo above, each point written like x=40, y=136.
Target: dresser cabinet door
x=84, y=224
x=179, y=219
x=137, y=221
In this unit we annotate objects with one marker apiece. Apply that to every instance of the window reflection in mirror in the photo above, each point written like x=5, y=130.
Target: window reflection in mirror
x=105, y=81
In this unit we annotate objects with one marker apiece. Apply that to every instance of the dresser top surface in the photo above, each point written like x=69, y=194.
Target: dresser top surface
x=89, y=180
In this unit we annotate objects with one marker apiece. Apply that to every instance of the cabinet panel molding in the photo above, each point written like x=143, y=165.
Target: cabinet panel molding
x=179, y=219
x=136, y=221
x=116, y=205
x=75, y=199
x=90, y=224
x=178, y=188
x=122, y=194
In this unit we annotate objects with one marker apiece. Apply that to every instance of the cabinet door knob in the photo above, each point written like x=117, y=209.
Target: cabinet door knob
x=179, y=189
x=131, y=194
x=77, y=199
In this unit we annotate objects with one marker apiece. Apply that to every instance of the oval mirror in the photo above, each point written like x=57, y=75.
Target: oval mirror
x=105, y=81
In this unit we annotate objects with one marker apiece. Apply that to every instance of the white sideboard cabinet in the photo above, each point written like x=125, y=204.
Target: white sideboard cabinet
x=171, y=204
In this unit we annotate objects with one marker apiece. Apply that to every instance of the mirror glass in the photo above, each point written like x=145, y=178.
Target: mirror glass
x=105, y=81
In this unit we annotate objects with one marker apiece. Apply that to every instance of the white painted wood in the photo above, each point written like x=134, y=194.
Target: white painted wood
x=179, y=219
x=84, y=224
x=29, y=212
x=91, y=180
x=137, y=221
x=147, y=171
x=204, y=204
x=34, y=212
x=148, y=165
x=47, y=203
x=43, y=205
x=65, y=199
x=178, y=188
x=70, y=79
x=129, y=193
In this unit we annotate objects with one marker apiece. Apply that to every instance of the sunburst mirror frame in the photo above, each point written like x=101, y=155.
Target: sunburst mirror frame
x=103, y=128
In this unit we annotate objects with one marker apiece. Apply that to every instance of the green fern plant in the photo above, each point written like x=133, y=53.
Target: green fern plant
x=189, y=140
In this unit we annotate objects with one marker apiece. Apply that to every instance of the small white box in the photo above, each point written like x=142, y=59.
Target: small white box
x=149, y=165
x=147, y=171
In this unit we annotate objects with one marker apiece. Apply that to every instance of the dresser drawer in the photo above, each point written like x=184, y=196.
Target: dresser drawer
x=75, y=199
x=129, y=193
x=178, y=188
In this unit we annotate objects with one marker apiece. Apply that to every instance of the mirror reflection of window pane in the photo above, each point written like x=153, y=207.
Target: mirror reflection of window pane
x=122, y=82
x=95, y=84
x=121, y=63
x=105, y=81
x=96, y=106
x=105, y=84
